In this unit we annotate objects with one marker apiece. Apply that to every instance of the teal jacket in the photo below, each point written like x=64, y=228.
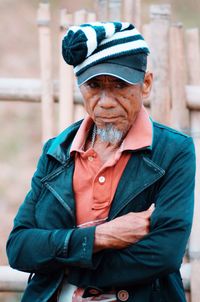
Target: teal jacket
x=45, y=241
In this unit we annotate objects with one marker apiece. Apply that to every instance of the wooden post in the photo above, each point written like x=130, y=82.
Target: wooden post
x=160, y=21
x=66, y=79
x=102, y=10
x=46, y=74
x=12, y=280
x=114, y=10
x=79, y=112
x=146, y=30
x=128, y=11
x=178, y=78
x=137, y=15
x=193, y=58
x=91, y=17
x=193, y=97
x=132, y=12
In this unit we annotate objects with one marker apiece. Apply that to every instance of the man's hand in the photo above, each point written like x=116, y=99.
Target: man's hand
x=123, y=231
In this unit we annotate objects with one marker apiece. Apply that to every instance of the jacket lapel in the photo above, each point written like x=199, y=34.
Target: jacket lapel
x=140, y=173
x=60, y=184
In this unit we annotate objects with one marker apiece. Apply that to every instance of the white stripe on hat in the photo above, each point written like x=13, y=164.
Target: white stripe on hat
x=91, y=38
x=109, y=52
x=125, y=25
x=120, y=35
x=109, y=29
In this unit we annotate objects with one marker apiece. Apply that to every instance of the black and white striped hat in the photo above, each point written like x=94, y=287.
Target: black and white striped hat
x=112, y=48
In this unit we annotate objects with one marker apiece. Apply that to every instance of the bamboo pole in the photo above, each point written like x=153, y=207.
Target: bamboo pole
x=46, y=73
x=132, y=12
x=128, y=11
x=12, y=280
x=137, y=15
x=102, y=10
x=193, y=57
x=66, y=79
x=178, y=78
x=160, y=21
x=114, y=10
x=79, y=111
x=193, y=97
x=91, y=17
x=30, y=91
x=146, y=30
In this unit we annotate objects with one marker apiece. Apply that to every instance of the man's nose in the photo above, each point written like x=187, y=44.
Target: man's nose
x=107, y=99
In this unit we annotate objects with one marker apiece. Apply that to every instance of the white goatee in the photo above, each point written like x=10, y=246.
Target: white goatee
x=110, y=134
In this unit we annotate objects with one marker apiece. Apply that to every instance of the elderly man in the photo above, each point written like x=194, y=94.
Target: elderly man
x=110, y=208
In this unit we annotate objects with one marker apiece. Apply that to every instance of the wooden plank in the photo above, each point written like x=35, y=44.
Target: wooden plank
x=195, y=280
x=26, y=90
x=193, y=58
x=12, y=280
x=29, y=90
x=46, y=73
x=66, y=79
x=193, y=97
x=178, y=78
x=160, y=22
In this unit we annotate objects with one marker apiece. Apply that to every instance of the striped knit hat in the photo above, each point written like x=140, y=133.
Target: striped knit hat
x=112, y=48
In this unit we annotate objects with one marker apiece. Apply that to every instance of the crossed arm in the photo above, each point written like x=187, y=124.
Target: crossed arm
x=123, y=231
x=124, y=241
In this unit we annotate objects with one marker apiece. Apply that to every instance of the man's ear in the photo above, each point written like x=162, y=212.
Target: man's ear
x=147, y=85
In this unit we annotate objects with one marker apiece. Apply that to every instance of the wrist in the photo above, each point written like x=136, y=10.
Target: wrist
x=100, y=242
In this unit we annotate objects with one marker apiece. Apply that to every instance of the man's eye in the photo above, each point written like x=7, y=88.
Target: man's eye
x=120, y=85
x=93, y=84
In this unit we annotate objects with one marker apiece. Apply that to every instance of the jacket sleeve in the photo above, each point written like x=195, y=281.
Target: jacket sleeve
x=161, y=251
x=32, y=249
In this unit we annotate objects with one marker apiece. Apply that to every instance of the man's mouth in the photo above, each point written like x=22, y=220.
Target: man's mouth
x=108, y=118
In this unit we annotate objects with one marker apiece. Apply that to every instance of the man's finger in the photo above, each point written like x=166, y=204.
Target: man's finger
x=151, y=208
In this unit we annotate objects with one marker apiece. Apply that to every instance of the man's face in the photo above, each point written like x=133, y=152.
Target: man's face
x=109, y=100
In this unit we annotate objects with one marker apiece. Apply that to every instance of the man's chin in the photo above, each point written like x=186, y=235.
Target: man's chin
x=110, y=134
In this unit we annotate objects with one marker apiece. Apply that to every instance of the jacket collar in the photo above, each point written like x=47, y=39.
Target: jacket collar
x=141, y=171
x=60, y=147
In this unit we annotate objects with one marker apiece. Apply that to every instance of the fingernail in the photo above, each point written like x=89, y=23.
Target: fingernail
x=152, y=207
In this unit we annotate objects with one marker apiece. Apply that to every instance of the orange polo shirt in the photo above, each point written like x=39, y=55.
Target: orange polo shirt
x=94, y=182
